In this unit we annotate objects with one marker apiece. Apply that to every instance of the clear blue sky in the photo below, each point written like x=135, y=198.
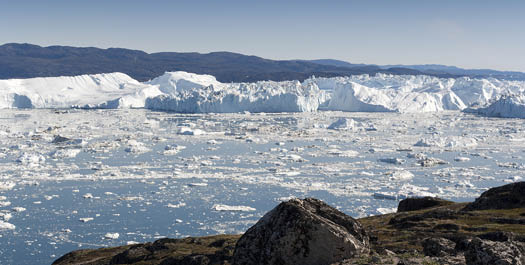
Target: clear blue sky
x=468, y=33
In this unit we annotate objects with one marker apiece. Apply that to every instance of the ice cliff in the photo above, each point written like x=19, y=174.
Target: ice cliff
x=194, y=93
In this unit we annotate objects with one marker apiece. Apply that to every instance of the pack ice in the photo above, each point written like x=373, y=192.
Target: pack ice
x=193, y=93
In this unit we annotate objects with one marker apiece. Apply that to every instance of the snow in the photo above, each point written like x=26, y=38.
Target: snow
x=184, y=92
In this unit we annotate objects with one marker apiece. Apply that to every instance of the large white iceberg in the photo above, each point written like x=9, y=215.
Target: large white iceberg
x=505, y=107
x=101, y=90
x=194, y=93
x=389, y=93
x=263, y=96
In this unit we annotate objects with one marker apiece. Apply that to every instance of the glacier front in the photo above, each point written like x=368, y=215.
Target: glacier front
x=194, y=93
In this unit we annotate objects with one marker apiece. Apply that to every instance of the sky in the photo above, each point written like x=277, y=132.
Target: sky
x=464, y=33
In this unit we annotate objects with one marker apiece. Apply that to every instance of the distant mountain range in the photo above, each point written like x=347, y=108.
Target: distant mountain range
x=27, y=60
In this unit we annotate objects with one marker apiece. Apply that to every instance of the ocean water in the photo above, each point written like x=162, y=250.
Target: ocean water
x=147, y=175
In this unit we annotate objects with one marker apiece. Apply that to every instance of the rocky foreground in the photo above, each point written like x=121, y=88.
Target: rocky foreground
x=490, y=230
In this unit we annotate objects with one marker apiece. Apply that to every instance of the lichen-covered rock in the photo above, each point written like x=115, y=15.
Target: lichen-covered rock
x=438, y=247
x=302, y=232
x=509, y=196
x=414, y=204
x=486, y=252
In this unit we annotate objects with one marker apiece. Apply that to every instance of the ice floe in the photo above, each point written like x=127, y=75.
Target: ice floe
x=6, y=226
x=111, y=236
x=238, y=208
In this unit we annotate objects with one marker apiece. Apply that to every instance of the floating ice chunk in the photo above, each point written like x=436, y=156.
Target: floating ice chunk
x=7, y=185
x=6, y=226
x=343, y=124
x=136, y=147
x=18, y=209
x=5, y=216
x=198, y=184
x=385, y=195
x=401, y=175
x=86, y=219
x=224, y=207
x=5, y=203
x=461, y=142
x=31, y=159
x=431, y=161
x=172, y=149
x=392, y=160
x=409, y=190
x=60, y=139
x=431, y=142
x=509, y=179
x=285, y=199
x=131, y=198
x=65, y=153
x=293, y=157
x=464, y=184
x=461, y=159
x=178, y=205
x=386, y=210
x=190, y=131
x=418, y=156
x=111, y=236
x=341, y=153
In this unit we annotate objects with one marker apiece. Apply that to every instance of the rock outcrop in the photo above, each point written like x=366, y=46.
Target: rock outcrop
x=509, y=196
x=438, y=247
x=486, y=252
x=302, y=232
x=414, y=204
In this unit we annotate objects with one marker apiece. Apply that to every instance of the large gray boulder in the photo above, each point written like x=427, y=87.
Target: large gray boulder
x=486, y=252
x=438, y=247
x=509, y=196
x=419, y=203
x=302, y=232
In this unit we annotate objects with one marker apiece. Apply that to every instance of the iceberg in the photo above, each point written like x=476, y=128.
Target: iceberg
x=104, y=90
x=184, y=92
x=263, y=96
x=512, y=106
